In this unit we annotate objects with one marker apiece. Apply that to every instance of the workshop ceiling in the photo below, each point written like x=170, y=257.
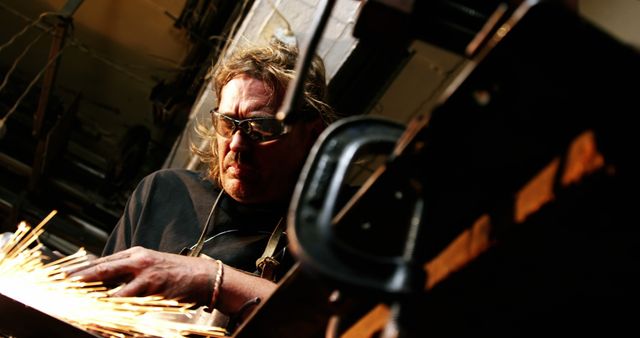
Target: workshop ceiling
x=127, y=75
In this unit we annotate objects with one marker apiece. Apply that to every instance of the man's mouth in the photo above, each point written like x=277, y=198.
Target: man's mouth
x=237, y=168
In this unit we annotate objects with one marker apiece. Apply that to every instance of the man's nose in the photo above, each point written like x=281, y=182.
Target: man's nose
x=239, y=141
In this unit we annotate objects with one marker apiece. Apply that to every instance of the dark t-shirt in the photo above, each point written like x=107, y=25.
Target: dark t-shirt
x=169, y=208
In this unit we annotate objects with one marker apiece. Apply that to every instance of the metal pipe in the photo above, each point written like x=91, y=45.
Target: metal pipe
x=289, y=111
x=14, y=165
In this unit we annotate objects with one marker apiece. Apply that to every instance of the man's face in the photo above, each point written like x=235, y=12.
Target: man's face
x=253, y=172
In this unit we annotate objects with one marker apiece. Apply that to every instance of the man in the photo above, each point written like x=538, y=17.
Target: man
x=256, y=161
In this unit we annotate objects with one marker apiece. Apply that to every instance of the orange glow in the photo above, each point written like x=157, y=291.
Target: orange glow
x=25, y=277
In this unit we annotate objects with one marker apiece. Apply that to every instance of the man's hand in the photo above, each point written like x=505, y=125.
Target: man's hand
x=147, y=272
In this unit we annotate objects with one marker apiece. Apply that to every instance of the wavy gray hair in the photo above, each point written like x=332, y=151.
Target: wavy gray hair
x=274, y=65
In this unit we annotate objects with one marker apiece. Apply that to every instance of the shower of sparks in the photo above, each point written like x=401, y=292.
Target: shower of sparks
x=25, y=277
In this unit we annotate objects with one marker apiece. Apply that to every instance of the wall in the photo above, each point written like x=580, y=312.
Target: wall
x=621, y=18
x=416, y=88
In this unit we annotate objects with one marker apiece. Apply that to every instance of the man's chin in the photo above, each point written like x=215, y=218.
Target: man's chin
x=240, y=190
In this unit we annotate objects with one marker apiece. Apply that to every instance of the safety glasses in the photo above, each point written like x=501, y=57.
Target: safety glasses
x=258, y=129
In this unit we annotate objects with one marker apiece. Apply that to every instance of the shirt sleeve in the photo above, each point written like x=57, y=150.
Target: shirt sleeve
x=121, y=236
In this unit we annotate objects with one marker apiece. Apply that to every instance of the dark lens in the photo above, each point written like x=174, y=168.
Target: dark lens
x=224, y=125
x=266, y=129
x=258, y=129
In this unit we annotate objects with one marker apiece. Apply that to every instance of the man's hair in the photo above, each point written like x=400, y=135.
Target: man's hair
x=274, y=65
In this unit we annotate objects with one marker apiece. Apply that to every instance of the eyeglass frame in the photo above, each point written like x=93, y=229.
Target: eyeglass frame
x=237, y=125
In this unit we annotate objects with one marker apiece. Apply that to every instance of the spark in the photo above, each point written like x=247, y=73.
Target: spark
x=26, y=277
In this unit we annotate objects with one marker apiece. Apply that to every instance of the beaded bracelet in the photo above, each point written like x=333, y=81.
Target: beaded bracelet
x=217, y=284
